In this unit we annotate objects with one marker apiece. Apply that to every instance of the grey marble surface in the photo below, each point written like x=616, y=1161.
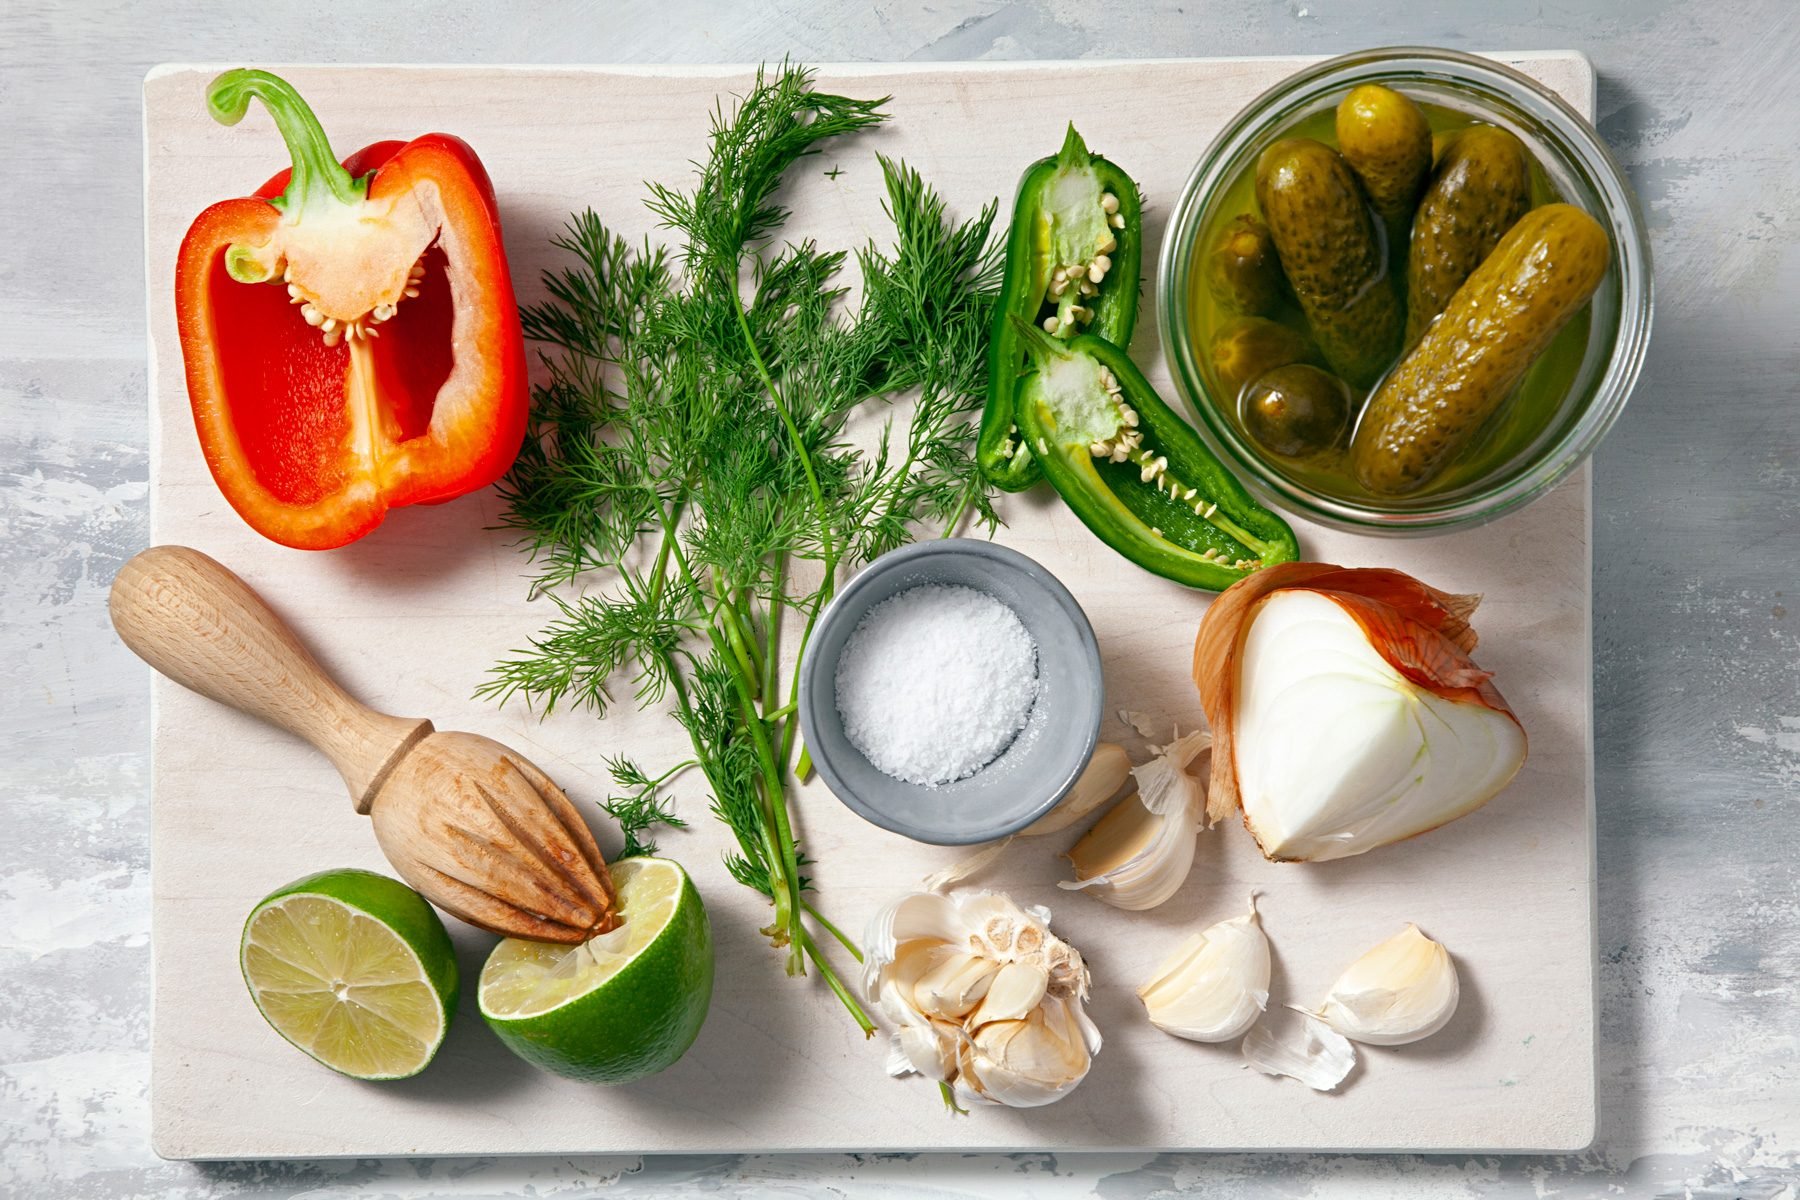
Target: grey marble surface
x=1697, y=574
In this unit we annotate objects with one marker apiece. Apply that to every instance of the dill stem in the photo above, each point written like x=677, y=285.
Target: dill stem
x=833, y=930
x=789, y=734
x=793, y=432
x=783, y=861
x=775, y=810
x=731, y=620
x=956, y=517
x=830, y=552
x=830, y=976
x=660, y=568
x=673, y=771
x=772, y=641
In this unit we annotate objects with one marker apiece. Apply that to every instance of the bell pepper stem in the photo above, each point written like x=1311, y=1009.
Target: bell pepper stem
x=318, y=179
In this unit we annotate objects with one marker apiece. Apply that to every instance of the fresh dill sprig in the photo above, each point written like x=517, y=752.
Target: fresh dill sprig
x=689, y=466
x=640, y=806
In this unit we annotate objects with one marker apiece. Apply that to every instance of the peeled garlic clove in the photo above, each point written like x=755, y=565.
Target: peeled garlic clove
x=1216, y=983
x=1348, y=712
x=1105, y=774
x=1299, y=1046
x=1403, y=990
x=1133, y=858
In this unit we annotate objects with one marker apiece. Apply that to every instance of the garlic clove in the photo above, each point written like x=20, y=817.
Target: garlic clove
x=952, y=989
x=1401, y=991
x=1104, y=775
x=1216, y=983
x=1299, y=1046
x=918, y=916
x=1013, y=992
x=928, y=1050
x=1031, y=1062
x=1133, y=858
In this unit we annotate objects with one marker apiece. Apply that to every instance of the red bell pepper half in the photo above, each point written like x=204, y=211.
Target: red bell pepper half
x=349, y=332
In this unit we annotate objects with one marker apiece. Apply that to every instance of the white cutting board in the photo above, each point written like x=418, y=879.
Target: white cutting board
x=412, y=617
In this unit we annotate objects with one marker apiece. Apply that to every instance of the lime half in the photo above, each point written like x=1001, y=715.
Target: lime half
x=619, y=1006
x=355, y=969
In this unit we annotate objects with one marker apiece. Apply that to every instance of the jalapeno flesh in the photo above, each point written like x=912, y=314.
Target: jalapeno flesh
x=1073, y=260
x=1135, y=473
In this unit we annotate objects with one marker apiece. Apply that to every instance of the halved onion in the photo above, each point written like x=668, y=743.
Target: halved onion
x=1346, y=712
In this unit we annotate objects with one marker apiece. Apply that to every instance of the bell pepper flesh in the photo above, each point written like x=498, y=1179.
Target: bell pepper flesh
x=1058, y=219
x=312, y=439
x=1134, y=472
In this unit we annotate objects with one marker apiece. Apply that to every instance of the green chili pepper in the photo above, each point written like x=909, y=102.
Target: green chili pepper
x=1072, y=261
x=1134, y=472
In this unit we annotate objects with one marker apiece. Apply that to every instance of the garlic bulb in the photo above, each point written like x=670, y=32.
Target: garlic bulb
x=1347, y=710
x=1216, y=983
x=986, y=999
x=1403, y=990
x=1139, y=853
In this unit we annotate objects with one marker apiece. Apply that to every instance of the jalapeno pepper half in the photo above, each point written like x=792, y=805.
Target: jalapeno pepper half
x=1134, y=472
x=1072, y=266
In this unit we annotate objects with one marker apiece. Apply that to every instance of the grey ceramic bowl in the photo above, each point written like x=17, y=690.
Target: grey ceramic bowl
x=1042, y=763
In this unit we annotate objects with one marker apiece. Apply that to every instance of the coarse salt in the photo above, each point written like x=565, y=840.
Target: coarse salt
x=935, y=682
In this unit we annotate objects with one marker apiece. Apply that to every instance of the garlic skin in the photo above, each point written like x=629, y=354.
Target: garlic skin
x=1300, y=1046
x=1401, y=991
x=1139, y=854
x=984, y=997
x=1337, y=752
x=1216, y=983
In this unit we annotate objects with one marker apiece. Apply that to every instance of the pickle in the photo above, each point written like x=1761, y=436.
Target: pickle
x=1331, y=252
x=1481, y=186
x=1430, y=407
x=1242, y=271
x=1297, y=410
x=1387, y=141
x=1250, y=346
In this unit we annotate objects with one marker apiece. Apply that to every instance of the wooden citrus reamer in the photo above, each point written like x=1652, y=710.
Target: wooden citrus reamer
x=476, y=828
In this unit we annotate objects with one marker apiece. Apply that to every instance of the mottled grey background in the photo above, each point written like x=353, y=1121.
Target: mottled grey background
x=1697, y=572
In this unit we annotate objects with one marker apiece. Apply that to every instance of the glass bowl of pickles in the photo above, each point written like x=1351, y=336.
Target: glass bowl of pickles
x=1405, y=290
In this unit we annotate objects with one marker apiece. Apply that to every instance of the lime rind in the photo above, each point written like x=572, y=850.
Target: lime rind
x=622, y=1006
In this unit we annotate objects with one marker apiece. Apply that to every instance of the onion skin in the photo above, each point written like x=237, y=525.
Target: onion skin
x=1422, y=632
